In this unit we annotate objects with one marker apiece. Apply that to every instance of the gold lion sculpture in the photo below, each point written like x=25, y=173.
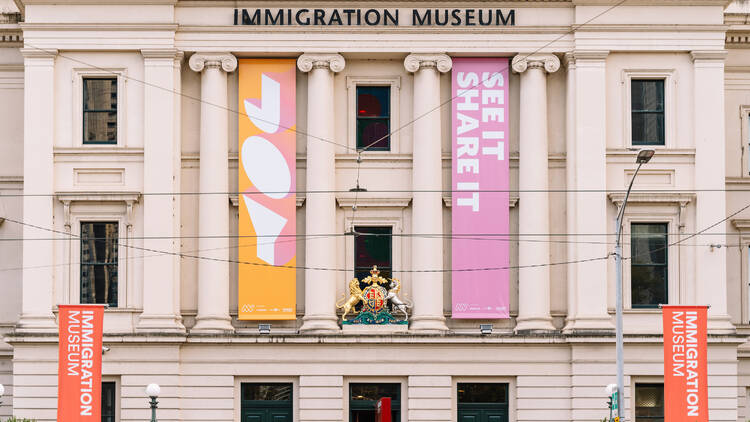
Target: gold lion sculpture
x=355, y=296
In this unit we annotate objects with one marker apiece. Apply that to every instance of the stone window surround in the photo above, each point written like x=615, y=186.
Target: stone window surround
x=78, y=74
x=670, y=101
x=403, y=381
x=81, y=207
x=351, y=107
x=639, y=379
x=512, y=394
x=742, y=225
x=118, y=392
x=745, y=139
x=653, y=207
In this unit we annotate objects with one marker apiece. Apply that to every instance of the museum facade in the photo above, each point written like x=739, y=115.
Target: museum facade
x=225, y=176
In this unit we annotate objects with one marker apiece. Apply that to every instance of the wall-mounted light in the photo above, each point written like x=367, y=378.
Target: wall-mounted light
x=485, y=328
x=264, y=328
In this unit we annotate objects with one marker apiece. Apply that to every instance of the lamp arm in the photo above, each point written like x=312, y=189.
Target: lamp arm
x=621, y=211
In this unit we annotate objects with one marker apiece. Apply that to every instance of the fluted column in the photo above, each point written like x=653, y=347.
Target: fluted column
x=213, y=209
x=533, y=182
x=320, y=208
x=427, y=205
x=710, y=181
x=38, y=187
x=161, y=168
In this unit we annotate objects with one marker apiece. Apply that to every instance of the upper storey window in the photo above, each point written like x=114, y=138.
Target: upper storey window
x=373, y=118
x=649, y=266
x=99, y=241
x=100, y=110
x=647, y=111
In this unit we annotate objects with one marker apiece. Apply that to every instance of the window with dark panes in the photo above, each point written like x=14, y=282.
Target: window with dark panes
x=266, y=402
x=373, y=118
x=99, y=262
x=109, y=403
x=482, y=402
x=100, y=110
x=647, y=111
x=649, y=402
x=363, y=400
x=372, y=246
x=648, y=266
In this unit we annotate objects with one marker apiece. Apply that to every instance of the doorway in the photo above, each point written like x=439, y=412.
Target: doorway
x=266, y=402
x=482, y=402
x=363, y=400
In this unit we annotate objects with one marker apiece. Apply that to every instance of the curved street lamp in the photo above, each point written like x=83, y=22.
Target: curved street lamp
x=644, y=156
x=153, y=390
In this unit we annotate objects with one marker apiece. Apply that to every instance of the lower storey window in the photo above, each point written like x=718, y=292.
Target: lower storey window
x=649, y=403
x=482, y=402
x=109, y=403
x=648, y=268
x=266, y=402
x=363, y=401
x=99, y=241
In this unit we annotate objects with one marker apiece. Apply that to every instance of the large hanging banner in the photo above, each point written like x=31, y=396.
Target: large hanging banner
x=267, y=183
x=480, y=165
x=79, y=371
x=685, y=363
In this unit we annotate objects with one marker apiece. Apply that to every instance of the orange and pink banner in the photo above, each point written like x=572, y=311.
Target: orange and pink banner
x=685, y=363
x=480, y=187
x=267, y=185
x=79, y=379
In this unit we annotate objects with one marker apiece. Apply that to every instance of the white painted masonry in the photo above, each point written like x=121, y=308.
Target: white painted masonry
x=570, y=156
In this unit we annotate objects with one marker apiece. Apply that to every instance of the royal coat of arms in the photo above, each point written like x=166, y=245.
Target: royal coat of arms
x=374, y=300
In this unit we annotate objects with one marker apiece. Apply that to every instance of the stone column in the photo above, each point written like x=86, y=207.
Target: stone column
x=320, y=208
x=161, y=274
x=710, y=174
x=213, y=209
x=427, y=182
x=38, y=179
x=588, y=118
x=533, y=283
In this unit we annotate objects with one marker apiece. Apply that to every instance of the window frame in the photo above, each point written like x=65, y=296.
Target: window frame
x=511, y=381
x=84, y=111
x=115, y=395
x=665, y=265
x=78, y=75
x=394, y=82
x=655, y=111
x=239, y=380
x=403, y=381
x=634, y=408
x=670, y=105
x=359, y=268
x=358, y=118
x=118, y=393
x=81, y=263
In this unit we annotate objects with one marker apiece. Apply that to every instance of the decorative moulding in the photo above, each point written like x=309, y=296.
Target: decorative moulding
x=199, y=61
x=682, y=198
x=512, y=202
x=333, y=61
x=743, y=226
x=234, y=199
x=413, y=62
x=369, y=201
x=549, y=62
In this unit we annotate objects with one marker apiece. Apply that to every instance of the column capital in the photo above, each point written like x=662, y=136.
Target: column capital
x=309, y=61
x=161, y=53
x=39, y=53
x=549, y=62
x=415, y=61
x=708, y=55
x=225, y=61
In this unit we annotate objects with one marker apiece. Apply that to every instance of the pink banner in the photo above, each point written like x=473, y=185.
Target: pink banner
x=480, y=165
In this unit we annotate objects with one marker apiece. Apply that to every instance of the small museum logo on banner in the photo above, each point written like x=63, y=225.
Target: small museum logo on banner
x=685, y=363
x=480, y=166
x=79, y=390
x=267, y=184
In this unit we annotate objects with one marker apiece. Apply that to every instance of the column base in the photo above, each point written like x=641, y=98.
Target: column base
x=428, y=324
x=319, y=324
x=213, y=324
x=160, y=324
x=532, y=325
x=44, y=323
x=589, y=325
x=720, y=324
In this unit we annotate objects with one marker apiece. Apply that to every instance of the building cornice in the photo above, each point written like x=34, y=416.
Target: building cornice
x=11, y=35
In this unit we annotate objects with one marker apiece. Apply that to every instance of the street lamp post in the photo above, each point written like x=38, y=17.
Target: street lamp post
x=153, y=390
x=644, y=156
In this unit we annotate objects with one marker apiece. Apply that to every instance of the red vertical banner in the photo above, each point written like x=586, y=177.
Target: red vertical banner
x=79, y=373
x=685, y=363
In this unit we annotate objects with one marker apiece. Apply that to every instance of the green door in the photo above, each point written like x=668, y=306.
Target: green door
x=268, y=402
x=482, y=402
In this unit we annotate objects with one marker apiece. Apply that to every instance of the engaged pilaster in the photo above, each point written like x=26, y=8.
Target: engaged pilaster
x=320, y=208
x=213, y=209
x=427, y=205
x=533, y=216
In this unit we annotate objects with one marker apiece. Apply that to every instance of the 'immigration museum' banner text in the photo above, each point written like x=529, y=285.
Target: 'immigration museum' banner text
x=79, y=372
x=267, y=184
x=480, y=165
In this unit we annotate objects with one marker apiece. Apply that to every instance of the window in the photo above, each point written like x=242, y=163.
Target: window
x=363, y=401
x=482, y=402
x=374, y=118
x=109, y=406
x=648, y=268
x=99, y=110
x=649, y=402
x=647, y=111
x=99, y=262
x=372, y=246
x=266, y=402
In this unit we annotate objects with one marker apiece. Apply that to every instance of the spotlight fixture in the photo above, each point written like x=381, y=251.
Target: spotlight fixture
x=264, y=328
x=644, y=155
x=485, y=328
x=357, y=189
